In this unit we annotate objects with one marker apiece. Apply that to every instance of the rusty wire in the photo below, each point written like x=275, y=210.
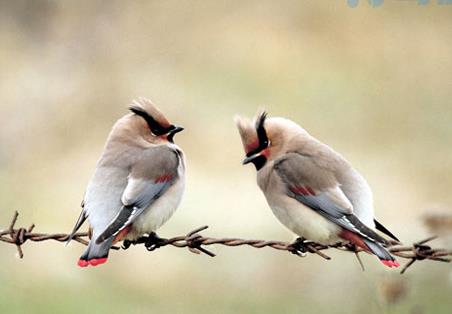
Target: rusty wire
x=196, y=244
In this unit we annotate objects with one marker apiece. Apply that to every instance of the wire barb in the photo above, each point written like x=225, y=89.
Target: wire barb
x=195, y=243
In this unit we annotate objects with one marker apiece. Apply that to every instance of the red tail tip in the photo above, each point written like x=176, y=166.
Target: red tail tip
x=97, y=261
x=82, y=263
x=92, y=262
x=391, y=263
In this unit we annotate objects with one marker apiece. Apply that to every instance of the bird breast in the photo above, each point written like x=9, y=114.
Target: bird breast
x=163, y=208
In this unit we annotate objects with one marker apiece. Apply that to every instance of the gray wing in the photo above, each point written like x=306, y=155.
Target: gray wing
x=150, y=177
x=317, y=188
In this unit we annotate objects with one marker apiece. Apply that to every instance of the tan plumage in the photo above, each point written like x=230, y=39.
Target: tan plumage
x=138, y=182
x=311, y=189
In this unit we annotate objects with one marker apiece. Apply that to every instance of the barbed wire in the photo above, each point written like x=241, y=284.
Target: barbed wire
x=195, y=243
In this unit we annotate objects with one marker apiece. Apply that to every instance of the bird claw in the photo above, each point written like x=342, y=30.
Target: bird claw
x=153, y=242
x=298, y=247
x=126, y=244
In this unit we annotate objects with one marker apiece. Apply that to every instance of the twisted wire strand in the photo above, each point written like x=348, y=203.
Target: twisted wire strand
x=196, y=243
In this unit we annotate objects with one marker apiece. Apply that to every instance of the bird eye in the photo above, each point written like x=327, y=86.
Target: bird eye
x=153, y=134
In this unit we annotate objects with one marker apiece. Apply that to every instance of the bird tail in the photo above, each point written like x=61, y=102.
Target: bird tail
x=95, y=254
x=383, y=229
x=385, y=257
x=81, y=219
x=370, y=245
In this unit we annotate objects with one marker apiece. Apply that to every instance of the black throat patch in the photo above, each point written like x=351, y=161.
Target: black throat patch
x=259, y=162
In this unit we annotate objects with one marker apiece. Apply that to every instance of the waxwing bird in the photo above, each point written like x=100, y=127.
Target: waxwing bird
x=310, y=188
x=138, y=182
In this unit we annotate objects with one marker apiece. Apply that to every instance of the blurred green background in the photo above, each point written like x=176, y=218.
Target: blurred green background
x=374, y=83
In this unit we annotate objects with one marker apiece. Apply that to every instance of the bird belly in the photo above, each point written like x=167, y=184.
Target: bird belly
x=305, y=222
x=159, y=212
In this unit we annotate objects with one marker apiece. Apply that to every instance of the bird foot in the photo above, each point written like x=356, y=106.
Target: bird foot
x=126, y=244
x=298, y=247
x=153, y=242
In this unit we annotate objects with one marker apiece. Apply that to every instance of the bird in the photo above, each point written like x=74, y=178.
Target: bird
x=138, y=182
x=313, y=191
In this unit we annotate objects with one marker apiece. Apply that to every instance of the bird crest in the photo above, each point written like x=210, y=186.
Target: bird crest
x=252, y=133
x=151, y=114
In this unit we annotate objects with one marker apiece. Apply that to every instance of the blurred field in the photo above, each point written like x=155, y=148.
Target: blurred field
x=374, y=83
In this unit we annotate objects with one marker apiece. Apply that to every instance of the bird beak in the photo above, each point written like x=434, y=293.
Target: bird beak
x=177, y=130
x=249, y=159
x=171, y=134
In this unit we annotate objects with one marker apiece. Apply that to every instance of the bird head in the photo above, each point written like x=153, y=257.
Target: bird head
x=151, y=123
x=265, y=138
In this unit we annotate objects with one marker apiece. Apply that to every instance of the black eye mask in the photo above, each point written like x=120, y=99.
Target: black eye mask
x=261, y=135
x=155, y=127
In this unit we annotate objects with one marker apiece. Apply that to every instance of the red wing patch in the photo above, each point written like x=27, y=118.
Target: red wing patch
x=306, y=190
x=164, y=178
